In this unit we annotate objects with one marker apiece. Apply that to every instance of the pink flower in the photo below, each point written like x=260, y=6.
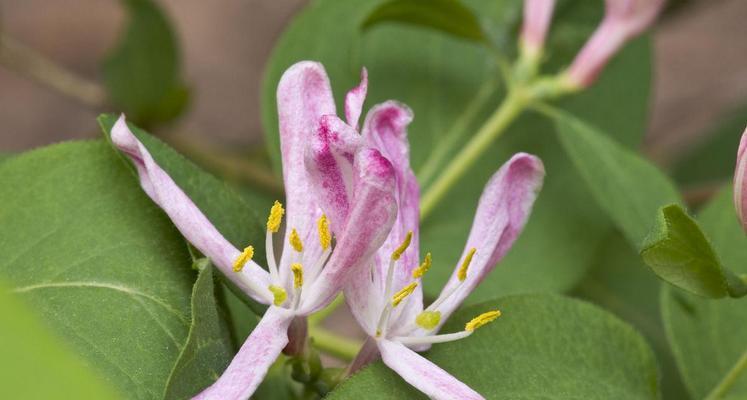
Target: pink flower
x=386, y=298
x=623, y=20
x=357, y=200
x=740, y=198
x=537, y=16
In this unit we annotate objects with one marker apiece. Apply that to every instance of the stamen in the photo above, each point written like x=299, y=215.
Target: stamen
x=462, y=273
x=431, y=339
x=325, y=238
x=243, y=258
x=403, y=293
x=423, y=268
x=276, y=215
x=279, y=295
x=428, y=320
x=481, y=320
x=297, y=269
x=397, y=253
x=295, y=241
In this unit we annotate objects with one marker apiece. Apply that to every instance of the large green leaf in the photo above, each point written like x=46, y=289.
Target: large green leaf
x=142, y=74
x=102, y=265
x=709, y=337
x=208, y=349
x=449, y=16
x=438, y=77
x=681, y=254
x=622, y=284
x=38, y=366
x=629, y=188
x=543, y=347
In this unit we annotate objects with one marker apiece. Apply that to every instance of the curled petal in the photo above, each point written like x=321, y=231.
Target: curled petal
x=185, y=215
x=250, y=365
x=329, y=162
x=740, y=189
x=304, y=95
x=537, y=16
x=372, y=213
x=354, y=100
x=424, y=375
x=623, y=20
x=504, y=207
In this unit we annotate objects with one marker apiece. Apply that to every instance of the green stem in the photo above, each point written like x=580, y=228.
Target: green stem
x=729, y=380
x=511, y=107
x=333, y=344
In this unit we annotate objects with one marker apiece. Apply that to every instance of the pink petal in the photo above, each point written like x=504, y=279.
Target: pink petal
x=250, y=365
x=423, y=374
x=503, y=210
x=329, y=162
x=354, y=100
x=740, y=176
x=623, y=20
x=537, y=16
x=185, y=215
x=385, y=129
x=304, y=95
x=372, y=213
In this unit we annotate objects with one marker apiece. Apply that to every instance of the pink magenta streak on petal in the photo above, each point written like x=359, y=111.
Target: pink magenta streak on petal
x=250, y=365
x=185, y=215
x=354, y=100
x=372, y=214
x=303, y=96
x=502, y=212
x=424, y=375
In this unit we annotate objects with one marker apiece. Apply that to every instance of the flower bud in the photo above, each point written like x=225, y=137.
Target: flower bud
x=623, y=20
x=537, y=16
x=740, y=176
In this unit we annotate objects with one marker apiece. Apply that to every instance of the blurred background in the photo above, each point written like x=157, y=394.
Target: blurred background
x=700, y=64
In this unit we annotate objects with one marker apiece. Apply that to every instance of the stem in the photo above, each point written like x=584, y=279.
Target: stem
x=333, y=344
x=450, y=140
x=729, y=380
x=511, y=107
x=26, y=61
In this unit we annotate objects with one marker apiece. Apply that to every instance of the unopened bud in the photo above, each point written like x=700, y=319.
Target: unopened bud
x=740, y=188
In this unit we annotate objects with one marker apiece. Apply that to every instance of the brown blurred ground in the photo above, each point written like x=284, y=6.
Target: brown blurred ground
x=701, y=67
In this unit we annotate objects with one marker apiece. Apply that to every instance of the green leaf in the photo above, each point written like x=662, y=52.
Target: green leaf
x=449, y=16
x=439, y=77
x=238, y=221
x=629, y=188
x=142, y=74
x=35, y=364
x=680, y=253
x=542, y=347
x=208, y=349
x=99, y=262
x=622, y=284
x=708, y=336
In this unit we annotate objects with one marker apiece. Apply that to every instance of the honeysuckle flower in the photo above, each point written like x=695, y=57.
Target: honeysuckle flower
x=387, y=301
x=623, y=20
x=311, y=269
x=537, y=16
x=740, y=175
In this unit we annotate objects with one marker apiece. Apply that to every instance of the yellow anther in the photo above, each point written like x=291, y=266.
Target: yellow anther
x=279, y=295
x=397, y=253
x=276, y=215
x=482, y=319
x=325, y=238
x=243, y=258
x=462, y=273
x=423, y=268
x=402, y=294
x=295, y=241
x=297, y=269
x=428, y=320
